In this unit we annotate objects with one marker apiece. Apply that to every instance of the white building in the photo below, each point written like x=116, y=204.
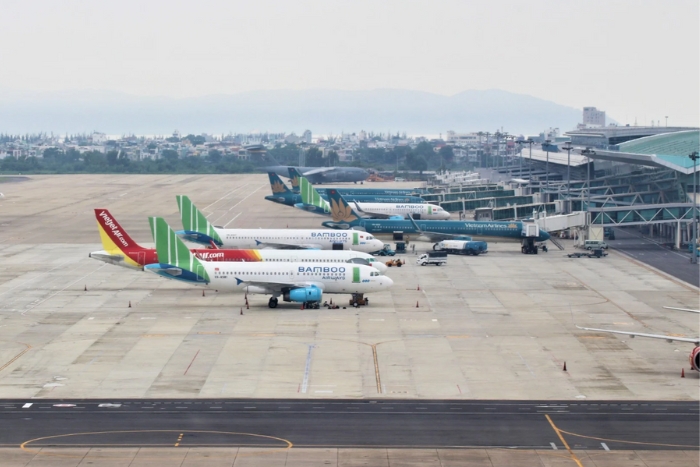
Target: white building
x=462, y=139
x=306, y=137
x=593, y=118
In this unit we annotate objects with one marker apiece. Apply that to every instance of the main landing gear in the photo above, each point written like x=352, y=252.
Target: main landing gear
x=272, y=303
x=529, y=247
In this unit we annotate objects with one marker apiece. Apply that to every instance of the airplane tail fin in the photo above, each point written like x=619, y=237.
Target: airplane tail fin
x=197, y=228
x=342, y=213
x=114, y=238
x=294, y=177
x=174, y=258
x=311, y=197
x=277, y=185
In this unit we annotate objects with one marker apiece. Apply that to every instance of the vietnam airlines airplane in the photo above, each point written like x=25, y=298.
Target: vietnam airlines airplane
x=294, y=177
x=312, y=201
x=283, y=195
x=197, y=229
x=345, y=217
x=294, y=281
x=120, y=249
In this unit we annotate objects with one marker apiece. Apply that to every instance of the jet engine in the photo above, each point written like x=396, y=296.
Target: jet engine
x=305, y=294
x=695, y=359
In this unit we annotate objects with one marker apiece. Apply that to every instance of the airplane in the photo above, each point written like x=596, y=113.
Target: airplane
x=281, y=194
x=197, y=229
x=293, y=281
x=324, y=174
x=312, y=201
x=294, y=176
x=694, y=354
x=121, y=250
x=345, y=217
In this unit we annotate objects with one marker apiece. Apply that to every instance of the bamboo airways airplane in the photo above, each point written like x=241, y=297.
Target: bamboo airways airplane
x=283, y=195
x=294, y=281
x=120, y=249
x=312, y=201
x=345, y=217
x=197, y=229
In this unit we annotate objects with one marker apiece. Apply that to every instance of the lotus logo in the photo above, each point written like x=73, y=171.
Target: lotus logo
x=295, y=181
x=512, y=226
x=341, y=212
x=277, y=187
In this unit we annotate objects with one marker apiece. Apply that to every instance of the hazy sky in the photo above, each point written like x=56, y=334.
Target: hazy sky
x=632, y=58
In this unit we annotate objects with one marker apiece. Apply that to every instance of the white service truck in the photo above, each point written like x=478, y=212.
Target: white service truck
x=461, y=247
x=438, y=258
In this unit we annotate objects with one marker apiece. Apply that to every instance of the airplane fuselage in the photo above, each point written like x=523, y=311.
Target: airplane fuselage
x=290, y=199
x=510, y=230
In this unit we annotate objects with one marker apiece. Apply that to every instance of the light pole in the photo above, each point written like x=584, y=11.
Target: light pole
x=666, y=121
x=588, y=153
x=694, y=257
x=546, y=175
x=568, y=147
x=530, y=142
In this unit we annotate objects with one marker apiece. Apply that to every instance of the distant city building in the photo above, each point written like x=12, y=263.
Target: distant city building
x=593, y=118
x=306, y=137
x=462, y=139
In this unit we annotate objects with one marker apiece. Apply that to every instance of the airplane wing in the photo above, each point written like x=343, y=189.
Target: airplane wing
x=433, y=236
x=682, y=309
x=374, y=215
x=690, y=340
x=319, y=170
x=286, y=246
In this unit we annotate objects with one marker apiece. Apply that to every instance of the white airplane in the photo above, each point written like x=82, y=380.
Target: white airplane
x=694, y=354
x=312, y=201
x=198, y=229
x=294, y=282
x=120, y=249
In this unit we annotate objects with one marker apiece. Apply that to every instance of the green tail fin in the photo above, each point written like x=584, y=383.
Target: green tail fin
x=171, y=250
x=194, y=220
x=309, y=195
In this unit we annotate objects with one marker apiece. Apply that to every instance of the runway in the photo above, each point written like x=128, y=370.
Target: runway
x=282, y=424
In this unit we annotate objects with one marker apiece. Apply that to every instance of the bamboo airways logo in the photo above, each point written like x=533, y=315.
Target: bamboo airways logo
x=112, y=225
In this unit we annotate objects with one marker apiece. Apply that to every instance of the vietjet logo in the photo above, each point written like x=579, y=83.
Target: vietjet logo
x=109, y=223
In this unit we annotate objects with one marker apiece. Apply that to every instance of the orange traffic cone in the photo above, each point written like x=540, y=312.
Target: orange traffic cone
x=241, y=311
x=203, y=293
x=682, y=372
x=129, y=303
x=564, y=366
x=85, y=288
x=418, y=287
x=417, y=304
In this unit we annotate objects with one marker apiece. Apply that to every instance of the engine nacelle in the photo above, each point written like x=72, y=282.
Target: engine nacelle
x=305, y=294
x=695, y=359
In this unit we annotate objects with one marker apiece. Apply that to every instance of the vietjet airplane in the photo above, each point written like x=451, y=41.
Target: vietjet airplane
x=293, y=281
x=122, y=250
x=197, y=229
x=312, y=201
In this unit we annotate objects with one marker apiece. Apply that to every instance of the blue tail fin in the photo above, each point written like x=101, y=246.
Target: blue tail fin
x=294, y=177
x=344, y=216
x=277, y=185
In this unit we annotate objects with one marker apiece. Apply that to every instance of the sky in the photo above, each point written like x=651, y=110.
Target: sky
x=639, y=60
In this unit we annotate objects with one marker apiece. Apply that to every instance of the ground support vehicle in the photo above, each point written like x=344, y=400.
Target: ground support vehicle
x=461, y=247
x=438, y=258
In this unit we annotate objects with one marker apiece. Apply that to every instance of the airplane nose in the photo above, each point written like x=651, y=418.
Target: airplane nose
x=387, y=282
x=379, y=266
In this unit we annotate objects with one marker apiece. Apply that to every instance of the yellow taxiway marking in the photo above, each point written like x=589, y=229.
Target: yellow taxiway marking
x=179, y=438
x=14, y=359
x=561, y=438
x=25, y=445
x=629, y=442
x=376, y=368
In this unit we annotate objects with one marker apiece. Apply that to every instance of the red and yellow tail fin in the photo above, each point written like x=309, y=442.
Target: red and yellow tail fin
x=114, y=238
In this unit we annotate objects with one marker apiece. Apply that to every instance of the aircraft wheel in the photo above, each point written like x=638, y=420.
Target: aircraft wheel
x=272, y=303
x=355, y=304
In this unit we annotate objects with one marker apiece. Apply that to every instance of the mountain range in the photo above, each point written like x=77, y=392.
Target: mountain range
x=319, y=110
